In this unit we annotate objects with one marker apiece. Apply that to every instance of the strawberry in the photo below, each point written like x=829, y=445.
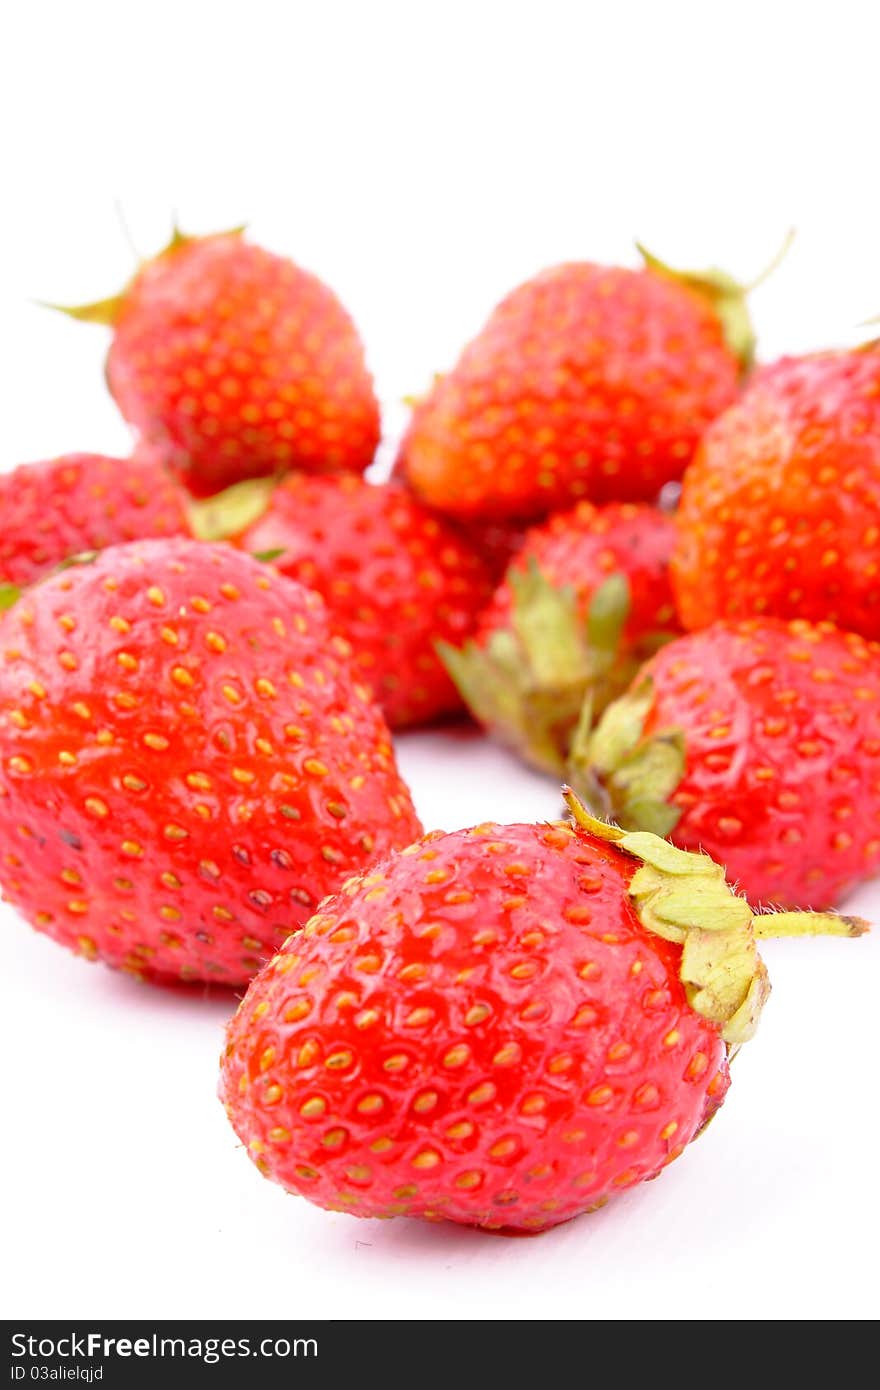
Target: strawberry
x=502, y=1026
x=584, y=603
x=587, y=381
x=496, y=543
x=82, y=502
x=186, y=764
x=239, y=363
x=779, y=512
x=394, y=577
x=759, y=742
x=496, y=540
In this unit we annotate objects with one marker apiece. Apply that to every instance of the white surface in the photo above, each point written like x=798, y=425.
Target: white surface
x=423, y=158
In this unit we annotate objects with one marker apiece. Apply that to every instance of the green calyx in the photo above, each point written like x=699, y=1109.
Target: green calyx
x=107, y=311
x=82, y=557
x=684, y=898
x=9, y=595
x=232, y=511
x=529, y=681
x=622, y=774
x=727, y=296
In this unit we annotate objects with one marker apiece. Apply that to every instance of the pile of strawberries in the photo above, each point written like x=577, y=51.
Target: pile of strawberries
x=204, y=647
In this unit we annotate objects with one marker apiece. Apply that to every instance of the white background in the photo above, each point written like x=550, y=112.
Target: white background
x=423, y=158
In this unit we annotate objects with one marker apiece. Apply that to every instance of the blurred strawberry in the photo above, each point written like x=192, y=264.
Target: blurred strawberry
x=239, y=363
x=587, y=381
x=82, y=502
x=780, y=511
x=496, y=543
x=584, y=603
x=396, y=578
x=758, y=742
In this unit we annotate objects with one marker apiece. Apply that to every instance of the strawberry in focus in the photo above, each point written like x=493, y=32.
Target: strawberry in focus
x=588, y=381
x=187, y=766
x=780, y=512
x=502, y=1026
x=238, y=363
x=395, y=578
x=82, y=502
x=758, y=742
x=585, y=602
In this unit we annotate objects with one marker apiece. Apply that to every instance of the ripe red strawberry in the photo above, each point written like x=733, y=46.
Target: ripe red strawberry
x=585, y=602
x=496, y=542
x=80, y=502
x=394, y=577
x=588, y=381
x=186, y=764
x=780, y=512
x=758, y=742
x=491, y=1028
x=239, y=363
